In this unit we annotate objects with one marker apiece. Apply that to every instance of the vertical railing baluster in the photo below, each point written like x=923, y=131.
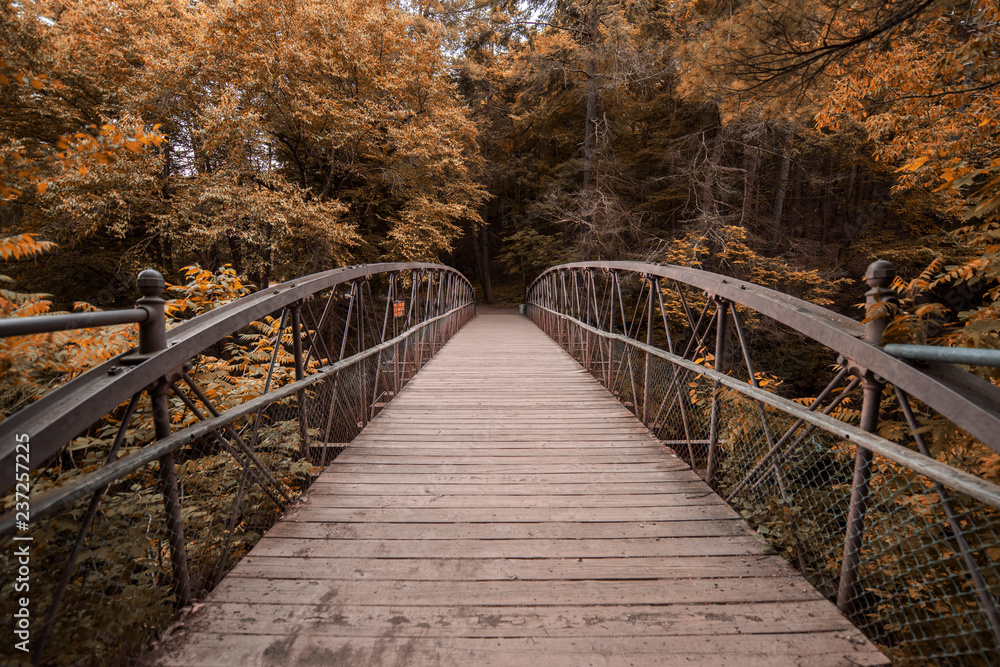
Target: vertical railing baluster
x=565, y=309
x=611, y=329
x=721, y=328
x=363, y=393
x=879, y=278
x=648, y=365
x=596, y=349
x=152, y=339
x=299, y=374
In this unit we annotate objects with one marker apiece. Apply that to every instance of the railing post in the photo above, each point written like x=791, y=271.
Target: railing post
x=613, y=278
x=363, y=405
x=879, y=278
x=417, y=308
x=566, y=309
x=152, y=339
x=299, y=374
x=649, y=341
x=722, y=306
x=585, y=315
x=594, y=320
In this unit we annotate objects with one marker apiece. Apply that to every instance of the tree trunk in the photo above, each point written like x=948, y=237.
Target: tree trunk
x=328, y=181
x=751, y=165
x=829, y=205
x=266, y=270
x=781, y=188
x=235, y=252
x=713, y=158
x=481, y=238
x=168, y=254
x=481, y=248
x=590, y=130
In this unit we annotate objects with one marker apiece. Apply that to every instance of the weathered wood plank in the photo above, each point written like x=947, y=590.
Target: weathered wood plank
x=335, y=619
x=569, y=530
x=563, y=593
x=452, y=500
x=821, y=649
x=512, y=548
x=388, y=476
x=508, y=568
x=349, y=468
x=485, y=457
x=516, y=515
x=387, y=486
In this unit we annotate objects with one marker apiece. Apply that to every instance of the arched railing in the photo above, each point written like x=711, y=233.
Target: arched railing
x=138, y=484
x=867, y=472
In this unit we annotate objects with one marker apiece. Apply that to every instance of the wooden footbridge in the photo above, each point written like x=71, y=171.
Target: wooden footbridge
x=505, y=509
x=605, y=478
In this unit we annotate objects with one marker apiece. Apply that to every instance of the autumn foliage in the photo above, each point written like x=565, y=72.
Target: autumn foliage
x=237, y=143
x=278, y=137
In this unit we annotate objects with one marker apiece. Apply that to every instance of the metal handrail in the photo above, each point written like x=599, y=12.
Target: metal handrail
x=962, y=400
x=23, y=326
x=64, y=413
x=968, y=356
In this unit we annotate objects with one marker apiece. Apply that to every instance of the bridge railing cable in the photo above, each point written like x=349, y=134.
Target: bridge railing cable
x=135, y=487
x=873, y=476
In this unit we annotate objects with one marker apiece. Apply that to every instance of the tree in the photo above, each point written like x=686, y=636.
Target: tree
x=318, y=135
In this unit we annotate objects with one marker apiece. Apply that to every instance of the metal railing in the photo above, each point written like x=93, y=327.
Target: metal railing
x=876, y=483
x=136, y=486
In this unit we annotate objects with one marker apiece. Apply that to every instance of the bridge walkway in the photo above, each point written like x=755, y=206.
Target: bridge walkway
x=505, y=509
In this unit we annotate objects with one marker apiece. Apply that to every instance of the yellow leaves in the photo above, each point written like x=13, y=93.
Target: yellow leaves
x=767, y=381
x=204, y=290
x=8, y=75
x=71, y=153
x=23, y=246
x=916, y=164
x=964, y=272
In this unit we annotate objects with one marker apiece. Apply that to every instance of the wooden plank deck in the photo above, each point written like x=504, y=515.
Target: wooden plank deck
x=504, y=509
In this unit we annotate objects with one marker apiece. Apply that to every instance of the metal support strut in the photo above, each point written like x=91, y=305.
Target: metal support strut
x=152, y=339
x=879, y=277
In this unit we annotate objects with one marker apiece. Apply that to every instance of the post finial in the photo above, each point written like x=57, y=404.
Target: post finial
x=151, y=283
x=152, y=332
x=880, y=274
x=879, y=277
